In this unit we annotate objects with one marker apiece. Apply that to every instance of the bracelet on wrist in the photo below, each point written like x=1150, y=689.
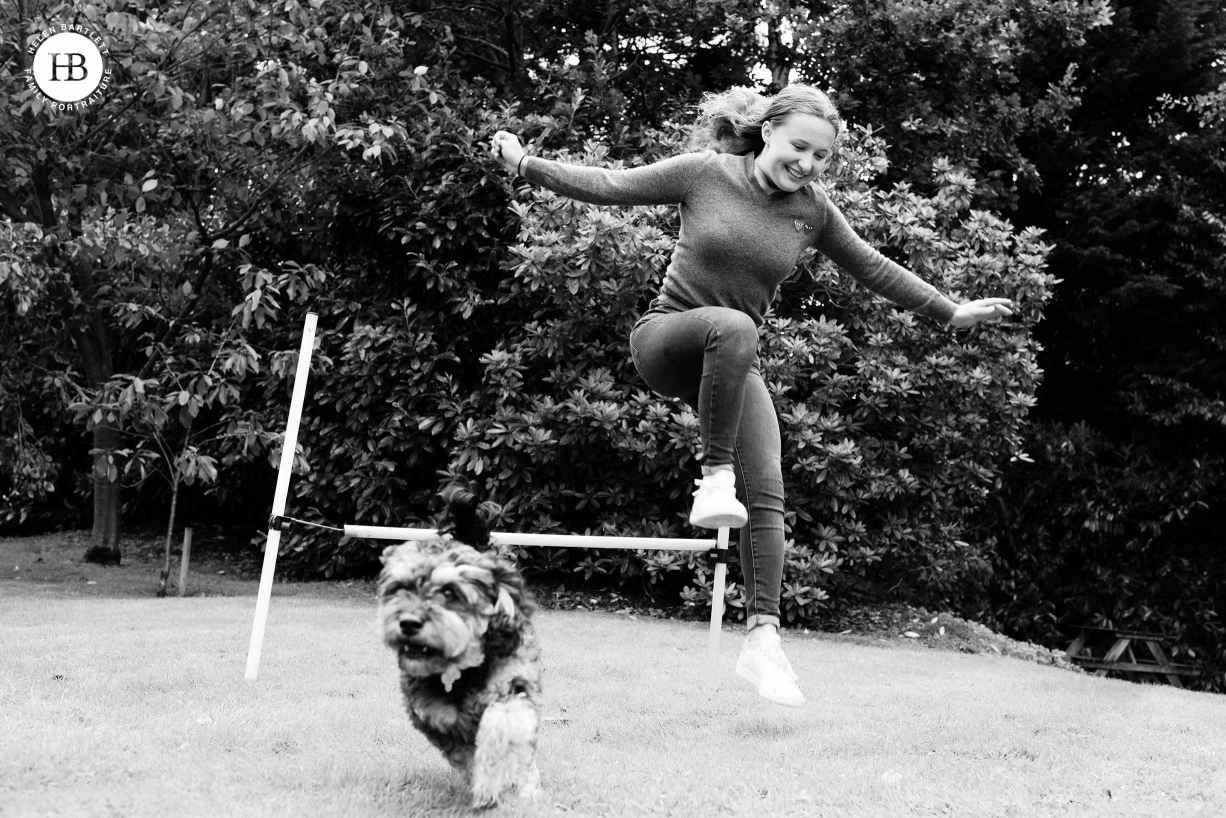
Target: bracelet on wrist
x=519, y=166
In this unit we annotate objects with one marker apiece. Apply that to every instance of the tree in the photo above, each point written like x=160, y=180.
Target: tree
x=639, y=62
x=1133, y=188
x=1133, y=407
x=969, y=80
x=207, y=155
x=167, y=206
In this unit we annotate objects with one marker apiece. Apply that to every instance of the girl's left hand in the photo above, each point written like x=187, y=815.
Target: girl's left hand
x=991, y=310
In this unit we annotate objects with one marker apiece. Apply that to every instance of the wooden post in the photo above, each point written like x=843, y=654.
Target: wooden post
x=184, y=560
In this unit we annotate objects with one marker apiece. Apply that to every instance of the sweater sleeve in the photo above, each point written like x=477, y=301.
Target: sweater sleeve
x=663, y=182
x=892, y=281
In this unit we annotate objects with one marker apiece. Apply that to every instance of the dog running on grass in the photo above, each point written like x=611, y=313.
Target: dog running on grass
x=460, y=621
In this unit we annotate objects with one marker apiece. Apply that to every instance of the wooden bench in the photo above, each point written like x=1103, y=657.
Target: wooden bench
x=1106, y=651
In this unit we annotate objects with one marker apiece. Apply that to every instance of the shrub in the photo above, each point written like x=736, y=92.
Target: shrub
x=1097, y=533
x=895, y=428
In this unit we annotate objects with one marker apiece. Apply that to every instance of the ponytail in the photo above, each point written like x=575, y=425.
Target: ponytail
x=730, y=122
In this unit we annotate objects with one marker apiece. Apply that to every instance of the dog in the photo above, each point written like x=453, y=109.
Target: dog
x=460, y=621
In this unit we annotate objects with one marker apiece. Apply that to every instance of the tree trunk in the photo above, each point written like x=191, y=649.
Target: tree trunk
x=108, y=500
x=92, y=338
x=510, y=41
x=170, y=529
x=777, y=56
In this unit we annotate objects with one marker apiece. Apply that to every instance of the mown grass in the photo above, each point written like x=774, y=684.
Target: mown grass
x=134, y=707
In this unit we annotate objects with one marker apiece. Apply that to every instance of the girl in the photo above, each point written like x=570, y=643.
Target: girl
x=748, y=212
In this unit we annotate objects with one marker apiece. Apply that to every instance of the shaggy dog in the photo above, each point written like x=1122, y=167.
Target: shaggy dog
x=459, y=619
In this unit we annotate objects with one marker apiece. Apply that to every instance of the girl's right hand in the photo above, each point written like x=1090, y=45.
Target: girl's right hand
x=505, y=147
x=992, y=310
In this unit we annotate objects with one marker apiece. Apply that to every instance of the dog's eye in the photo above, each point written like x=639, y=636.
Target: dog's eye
x=449, y=594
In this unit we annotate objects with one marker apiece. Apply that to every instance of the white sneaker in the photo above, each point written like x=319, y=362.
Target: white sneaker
x=763, y=665
x=715, y=503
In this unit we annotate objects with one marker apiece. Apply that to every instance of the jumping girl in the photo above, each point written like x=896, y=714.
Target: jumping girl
x=749, y=210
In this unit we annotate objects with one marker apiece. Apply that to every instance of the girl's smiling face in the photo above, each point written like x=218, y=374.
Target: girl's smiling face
x=797, y=149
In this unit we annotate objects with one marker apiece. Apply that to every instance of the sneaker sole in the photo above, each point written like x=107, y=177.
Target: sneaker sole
x=749, y=676
x=719, y=521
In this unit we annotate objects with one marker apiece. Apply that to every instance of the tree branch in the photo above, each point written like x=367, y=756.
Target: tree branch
x=202, y=275
x=242, y=219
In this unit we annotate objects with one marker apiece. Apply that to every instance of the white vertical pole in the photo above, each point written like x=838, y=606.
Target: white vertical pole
x=288, y=448
x=717, y=605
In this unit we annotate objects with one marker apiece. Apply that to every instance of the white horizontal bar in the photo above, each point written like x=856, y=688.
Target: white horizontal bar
x=588, y=541
x=549, y=540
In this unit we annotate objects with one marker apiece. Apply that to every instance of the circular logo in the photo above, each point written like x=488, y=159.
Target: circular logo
x=69, y=66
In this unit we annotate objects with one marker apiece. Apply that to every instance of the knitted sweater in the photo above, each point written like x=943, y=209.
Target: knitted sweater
x=736, y=243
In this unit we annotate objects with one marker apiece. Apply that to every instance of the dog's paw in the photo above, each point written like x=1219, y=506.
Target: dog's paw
x=483, y=801
x=530, y=790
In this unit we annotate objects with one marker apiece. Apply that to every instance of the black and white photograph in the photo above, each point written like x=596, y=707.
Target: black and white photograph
x=600, y=408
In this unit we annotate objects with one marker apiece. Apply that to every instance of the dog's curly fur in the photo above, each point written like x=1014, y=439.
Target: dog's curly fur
x=460, y=621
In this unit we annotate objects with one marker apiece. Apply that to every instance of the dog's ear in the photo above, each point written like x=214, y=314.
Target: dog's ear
x=505, y=605
x=512, y=599
x=512, y=606
x=502, y=637
x=387, y=553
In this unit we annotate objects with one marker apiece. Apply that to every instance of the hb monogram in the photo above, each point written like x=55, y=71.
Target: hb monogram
x=71, y=65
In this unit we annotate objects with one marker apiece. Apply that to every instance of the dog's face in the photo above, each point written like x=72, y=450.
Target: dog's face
x=444, y=605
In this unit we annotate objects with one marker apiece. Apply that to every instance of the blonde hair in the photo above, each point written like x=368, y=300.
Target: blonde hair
x=731, y=122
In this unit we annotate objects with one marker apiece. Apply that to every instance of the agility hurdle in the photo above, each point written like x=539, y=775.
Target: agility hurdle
x=279, y=523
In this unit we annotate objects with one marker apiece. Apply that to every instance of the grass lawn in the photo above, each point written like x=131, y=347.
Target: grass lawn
x=119, y=704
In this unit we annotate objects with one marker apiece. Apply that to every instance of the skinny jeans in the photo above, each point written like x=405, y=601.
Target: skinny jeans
x=708, y=357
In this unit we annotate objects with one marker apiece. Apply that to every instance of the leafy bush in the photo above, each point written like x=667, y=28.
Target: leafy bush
x=458, y=335
x=895, y=428
x=1094, y=533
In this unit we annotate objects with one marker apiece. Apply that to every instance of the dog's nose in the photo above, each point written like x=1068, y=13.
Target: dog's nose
x=408, y=627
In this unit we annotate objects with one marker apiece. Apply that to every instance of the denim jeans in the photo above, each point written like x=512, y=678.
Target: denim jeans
x=708, y=357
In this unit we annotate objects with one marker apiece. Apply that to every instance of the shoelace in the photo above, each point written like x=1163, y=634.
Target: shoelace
x=775, y=654
x=772, y=647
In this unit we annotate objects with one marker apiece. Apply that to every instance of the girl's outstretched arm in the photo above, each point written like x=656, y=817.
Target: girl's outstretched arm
x=664, y=182
x=886, y=278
